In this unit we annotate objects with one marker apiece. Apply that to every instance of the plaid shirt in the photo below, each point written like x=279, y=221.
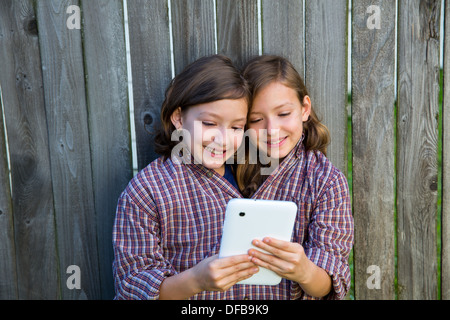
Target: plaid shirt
x=170, y=217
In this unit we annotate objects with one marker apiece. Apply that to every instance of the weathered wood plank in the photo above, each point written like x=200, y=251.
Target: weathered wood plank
x=417, y=127
x=151, y=69
x=23, y=101
x=326, y=71
x=237, y=29
x=68, y=130
x=283, y=31
x=193, y=31
x=8, y=275
x=109, y=120
x=373, y=123
x=445, y=220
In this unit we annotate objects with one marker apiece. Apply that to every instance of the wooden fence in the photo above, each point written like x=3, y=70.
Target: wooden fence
x=65, y=134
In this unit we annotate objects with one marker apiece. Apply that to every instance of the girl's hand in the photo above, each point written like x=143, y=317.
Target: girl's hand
x=214, y=274
x=287, y=259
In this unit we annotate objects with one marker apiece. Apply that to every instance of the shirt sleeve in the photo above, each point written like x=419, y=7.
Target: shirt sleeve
x=330, y=236
x=139, y=265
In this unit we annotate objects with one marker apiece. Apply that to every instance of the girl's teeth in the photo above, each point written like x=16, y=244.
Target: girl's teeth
x=214, y=151
x=276, y=142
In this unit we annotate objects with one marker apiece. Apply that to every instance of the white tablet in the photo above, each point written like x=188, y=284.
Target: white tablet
x=249, y=219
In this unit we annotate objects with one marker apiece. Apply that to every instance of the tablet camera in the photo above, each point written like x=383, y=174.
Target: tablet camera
x=241, y=214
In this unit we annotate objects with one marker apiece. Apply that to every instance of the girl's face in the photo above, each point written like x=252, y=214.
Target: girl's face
x=277, y=116
x=216, y=130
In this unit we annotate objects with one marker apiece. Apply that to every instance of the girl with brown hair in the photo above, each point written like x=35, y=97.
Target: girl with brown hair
x=169, y=218
x=285, y=128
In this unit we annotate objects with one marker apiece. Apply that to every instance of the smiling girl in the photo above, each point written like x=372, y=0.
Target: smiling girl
x=169, y=219
x=285, y=128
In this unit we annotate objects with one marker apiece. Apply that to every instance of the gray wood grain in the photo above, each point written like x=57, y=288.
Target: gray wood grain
x=283, y=31
x=373, y=123
x=65, y=104
x=8, y=274
x=445, y=220
x=23, y=101
x=417, y=127
x=237, y=29
x=151, y=70
x=326, y=71
x=109, y=120
x=192, y=30
x=68, y=130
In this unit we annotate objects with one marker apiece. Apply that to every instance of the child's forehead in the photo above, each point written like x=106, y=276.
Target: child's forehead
x=276, y=85
x=276, y=107
x=221, y=109
x=275, y=96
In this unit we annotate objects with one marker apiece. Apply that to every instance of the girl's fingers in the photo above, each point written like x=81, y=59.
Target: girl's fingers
x=275, y=246
x=235, y=277
x=262, y=263
x=232, y=261
x=241, y=269
x=227, y=271
x=282, y=256
x=268, y=261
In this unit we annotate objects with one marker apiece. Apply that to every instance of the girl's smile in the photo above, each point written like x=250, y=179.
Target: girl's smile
x=215, y=152
x=216, y=130
x=276, y=143
x=277, y=117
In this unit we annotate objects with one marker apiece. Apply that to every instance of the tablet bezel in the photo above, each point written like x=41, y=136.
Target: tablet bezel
x=262, y=218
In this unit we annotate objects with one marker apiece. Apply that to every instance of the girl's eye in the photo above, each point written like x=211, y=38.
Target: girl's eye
x=284, y=114
x=208, y=124
x=238, y=128
x=255, y=120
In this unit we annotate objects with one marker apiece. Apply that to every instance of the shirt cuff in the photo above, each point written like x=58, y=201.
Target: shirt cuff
x=142, y=286
x=338, y=270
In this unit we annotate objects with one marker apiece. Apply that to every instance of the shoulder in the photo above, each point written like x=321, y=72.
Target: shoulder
x=318, y=163
x=156, y=178
x=322, y=174
x=159, y=170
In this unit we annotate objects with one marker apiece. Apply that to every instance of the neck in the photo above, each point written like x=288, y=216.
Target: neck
x=220, y=170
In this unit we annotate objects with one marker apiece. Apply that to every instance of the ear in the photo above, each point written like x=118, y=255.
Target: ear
x=176, y=118
x=306, y=108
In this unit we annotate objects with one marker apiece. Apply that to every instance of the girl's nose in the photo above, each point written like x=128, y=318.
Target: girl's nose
x=218, y=136
x=272, y=128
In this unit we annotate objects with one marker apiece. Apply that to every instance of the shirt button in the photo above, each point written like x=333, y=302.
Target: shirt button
x=209, y=174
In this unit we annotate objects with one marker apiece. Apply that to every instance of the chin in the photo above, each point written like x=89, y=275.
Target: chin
x=278, y=155
x=213, y=164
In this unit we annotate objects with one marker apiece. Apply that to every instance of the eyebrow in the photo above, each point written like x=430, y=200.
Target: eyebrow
x=277, y=107
x=215, y=115
x=208, y=114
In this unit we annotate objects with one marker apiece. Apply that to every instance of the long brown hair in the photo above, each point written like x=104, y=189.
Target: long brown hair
x=208, y=79
x=259, y=72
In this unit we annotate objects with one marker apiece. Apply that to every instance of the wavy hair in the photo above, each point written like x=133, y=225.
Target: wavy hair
x=208, y=79
x=259, y=72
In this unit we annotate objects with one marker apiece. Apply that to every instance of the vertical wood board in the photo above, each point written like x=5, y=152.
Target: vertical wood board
x=67, y=120
x=237, y=30
x=445, y=228
x=417, y=127
x=109, y=120
x=373, y=127
x=23, y=102
x=151, y=70
x=192, y=30
x=326, y=71
x=8, y=275
x=283, y=31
